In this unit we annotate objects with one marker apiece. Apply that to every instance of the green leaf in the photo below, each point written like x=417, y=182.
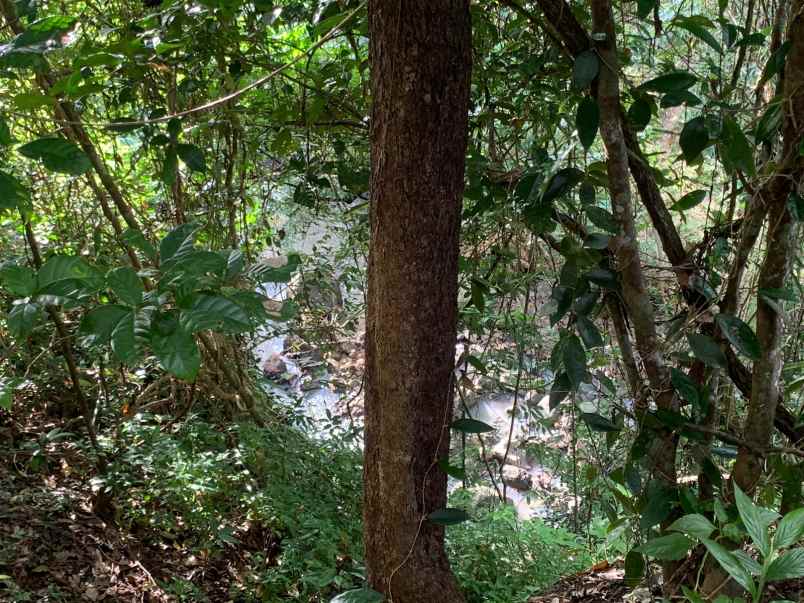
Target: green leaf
x=19, y=280
x=670, y=82
x=639, y=114
x=658, y=503
x=600, y=423
x=596, y=240
x=689, y=200
x=575, y=361
x=176, y=351
x=787, y=567
x=707, y=350
x=790, y=530
x=737, y=152
x=57, y=155
x=448, y=516
x=602, y=277
x=730, y=563
x=169, y=167
x=685, y=387
x=559, y=390
x=696, y=27
x=68, y=267
x=5, y=134
x=451, y=470
x=7, y=387
x=667, y=548
x=694, y=138
x=360, y=595
x=587, y=121
x=602, y=219
x=645, y=8
x=691, y=595
x=560, y=184
x=44, y=30
x=216, y=313
x=178, y=242
x=99, y=322
x=755, y=520
x=22, y=319
x=588, y=332
x=13, y=195
x=124, y=339
x=277, y=270
x=775, y=63
x=585, y=69
x=136, y=239
x=192, y=157
x=126, y=285
x=680, y=97
x=634, y=568
x=740, y=335
x=471, y=426
x=695, y=525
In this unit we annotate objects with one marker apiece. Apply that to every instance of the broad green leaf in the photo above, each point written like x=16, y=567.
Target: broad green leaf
x=451, y=470
x=755, y=520
x=694, y=138
x=13, y=195
x=587, y=120
x=787, y=567
x=658, y=503
x=124, y=339
x=126, y=285
x=634, y=568
x=448, y=516
x=770, y=122
x=58, y=155
x=691, y=595
x=639, y=114
x=177, y=352
x=685, y=387
x=736, y=150
x=667, y=548
x=99, y=322
x=600, y=423
x=20, y=280
x=740, y=335
x=730, y=563
x=585, y=69
x=5, y=134
x=588, y=332
x=169, y=166
x=44, y=30
x=360, y=595
x=697, y=27
x=575, y=361
x=678, y=98
x=748, y=562
x=277, y=270
x=22, y=319
x=597, y=240
x=670, y=82
x=602, y=219
x=689, y=200
x=775, y=63
x=645, y=8
x=216, y=313
x=790, y=530
x=467, y=425
x=192, y=156
x=559, y=390
x=707, y=350
x=560, y=184
x=178, y=242
x=586, y=193
x=602, y=277
x=136, y=239
x=695, y=525
x=68, y=267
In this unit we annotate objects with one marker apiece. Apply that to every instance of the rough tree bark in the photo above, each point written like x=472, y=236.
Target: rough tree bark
x=779, y=251
x=421, y=62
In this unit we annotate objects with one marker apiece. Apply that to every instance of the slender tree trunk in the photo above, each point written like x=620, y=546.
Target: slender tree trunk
x=421, y=61
x=780, y=249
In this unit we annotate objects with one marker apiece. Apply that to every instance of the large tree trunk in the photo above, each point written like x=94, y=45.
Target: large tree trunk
x=421, y=62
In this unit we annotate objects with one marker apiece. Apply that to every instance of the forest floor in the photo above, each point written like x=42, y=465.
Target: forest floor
x=55, y=547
